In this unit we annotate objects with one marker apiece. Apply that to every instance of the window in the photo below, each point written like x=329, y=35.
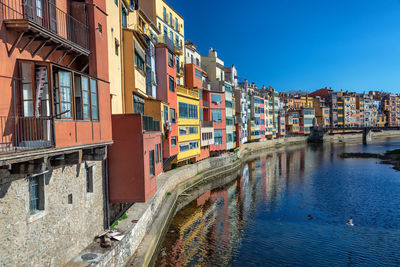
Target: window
x=172, y=115
x=218, y=137
x=138, y=105
x=171, y=84
x=188, y=111
x=198, y=74
x=157, y=154
x=27, y=93
x=171, y=36
x=170, y=60
x=170, y=18
x=63, y=94
x=197, y=62
x=36, y=193
x=216, y=115
x=216, y=99
x=93, y=99
x=124, y=18
x=173, y=141
x=151, y=163
x=165, y=113
x=139, y=62
x=193, y=114
x=184, y=147
x=89, y=179
x=165, y=13
x=193, y=130
x=176, y=23
x=193, y=145
x=177, y=65
x=116, y=2
x=183, y=110
x=182, y=131
x=229, y=138
x=39, y=9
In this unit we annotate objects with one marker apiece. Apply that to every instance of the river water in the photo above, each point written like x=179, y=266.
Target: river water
x=261, y=217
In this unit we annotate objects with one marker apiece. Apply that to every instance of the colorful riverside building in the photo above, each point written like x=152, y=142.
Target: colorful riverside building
x=189, y=124
x=216, y=74
x=136, y=156
x=195, y=78
x=231, y=77
x=214, y=98
x=55, y=129
x=171, y=26
x=322, y=112
x=391, y=107
x=334, y=102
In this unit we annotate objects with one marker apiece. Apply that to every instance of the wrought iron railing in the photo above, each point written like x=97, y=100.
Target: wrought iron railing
x=25, y=133
x=49, y=16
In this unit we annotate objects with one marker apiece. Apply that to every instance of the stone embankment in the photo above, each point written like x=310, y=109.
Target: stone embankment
x=146, y=222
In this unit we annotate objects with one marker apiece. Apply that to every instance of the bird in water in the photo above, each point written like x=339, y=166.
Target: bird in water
x=309, y=217
x=350, y=222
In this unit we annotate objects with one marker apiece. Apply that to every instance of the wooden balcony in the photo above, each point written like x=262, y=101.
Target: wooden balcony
x=44, y=21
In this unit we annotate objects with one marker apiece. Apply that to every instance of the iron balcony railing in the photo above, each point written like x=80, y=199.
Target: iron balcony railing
x=166, y=40
x=150, y=125
x=25, y=133
x=46, y=14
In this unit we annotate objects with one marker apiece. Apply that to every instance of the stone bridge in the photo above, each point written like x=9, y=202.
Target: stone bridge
x=317, y=133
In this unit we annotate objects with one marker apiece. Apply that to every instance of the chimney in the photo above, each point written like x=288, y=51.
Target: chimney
x=212, y=53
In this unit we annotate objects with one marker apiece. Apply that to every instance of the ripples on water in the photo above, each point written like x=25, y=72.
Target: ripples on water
x=260, y=219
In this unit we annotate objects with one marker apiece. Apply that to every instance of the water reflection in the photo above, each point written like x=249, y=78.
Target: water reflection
x=261, y=217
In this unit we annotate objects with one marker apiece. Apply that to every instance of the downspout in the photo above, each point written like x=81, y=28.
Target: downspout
x=121, y=47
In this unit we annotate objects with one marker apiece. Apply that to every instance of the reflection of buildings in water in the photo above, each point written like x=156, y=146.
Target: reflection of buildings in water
x=192, y=225
x=245, y=192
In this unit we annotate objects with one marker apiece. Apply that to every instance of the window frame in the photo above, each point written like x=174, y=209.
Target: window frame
x=152, y=160
x=89, y=178
x=171, y=79
x=40, y=197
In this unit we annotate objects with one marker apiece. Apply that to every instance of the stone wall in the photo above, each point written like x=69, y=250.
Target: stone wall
x=52, y=236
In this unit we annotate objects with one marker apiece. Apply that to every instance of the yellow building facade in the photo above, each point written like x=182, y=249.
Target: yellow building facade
x=188, y=123
x=171, y=26
x=114, y=29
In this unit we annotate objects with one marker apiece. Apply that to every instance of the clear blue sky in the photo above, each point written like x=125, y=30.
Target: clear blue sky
x=301, y=44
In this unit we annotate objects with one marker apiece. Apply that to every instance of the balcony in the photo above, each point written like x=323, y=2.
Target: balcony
x=46, y=23
x=176, y=48
x=180, y=71
x=25, y=133
x=193, y=93
x=218, y=86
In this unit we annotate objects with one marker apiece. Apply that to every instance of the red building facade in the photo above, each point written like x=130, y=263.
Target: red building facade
x=166, y=91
